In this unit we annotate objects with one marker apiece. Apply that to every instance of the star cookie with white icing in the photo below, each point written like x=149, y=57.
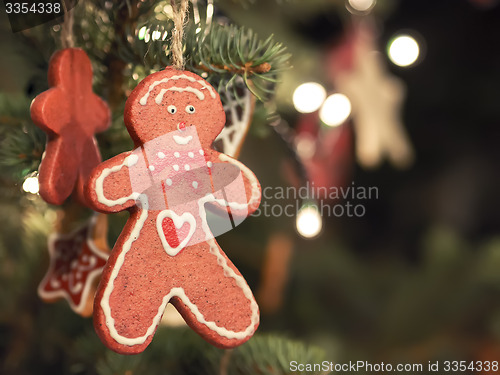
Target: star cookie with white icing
x=76, y=262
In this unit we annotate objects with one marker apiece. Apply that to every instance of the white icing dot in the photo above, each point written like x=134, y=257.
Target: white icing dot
x=131, y=160
x=176, y=154
x=176, y=167
x=186, y=167
x=209, y=164
x=190, y=154
x=151, y=168
x=202, y=152
x=161, y=155
x=195, y=184
x=169, y=182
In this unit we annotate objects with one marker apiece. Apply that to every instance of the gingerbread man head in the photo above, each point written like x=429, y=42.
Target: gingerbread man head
x=171, y=101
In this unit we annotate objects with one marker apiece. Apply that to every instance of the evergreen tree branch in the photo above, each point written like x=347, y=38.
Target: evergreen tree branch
x=219, y=53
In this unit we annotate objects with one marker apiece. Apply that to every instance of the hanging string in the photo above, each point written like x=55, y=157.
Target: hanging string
x=67, y=39
x=179, y=17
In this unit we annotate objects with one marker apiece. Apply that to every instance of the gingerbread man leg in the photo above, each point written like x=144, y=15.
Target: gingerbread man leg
x=130, y=299
x=56, y=186
x=93, y=158
x=202, y=283
x=216, y=301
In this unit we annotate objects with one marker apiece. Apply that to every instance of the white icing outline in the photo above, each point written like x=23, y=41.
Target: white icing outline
x=248, y=174
x=129, y=161
x=198, y=93
x=144, y=99
x=56, y=294
x=238, y=206
x=179, y=221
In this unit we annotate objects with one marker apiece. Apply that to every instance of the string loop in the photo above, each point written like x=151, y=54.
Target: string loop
x=180, y=20
x=67, y=38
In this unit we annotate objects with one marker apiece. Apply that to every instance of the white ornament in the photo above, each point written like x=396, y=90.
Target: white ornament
x=233, y=134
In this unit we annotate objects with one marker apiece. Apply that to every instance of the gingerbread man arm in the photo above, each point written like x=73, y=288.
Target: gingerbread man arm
x=46, y=114
x=251, y=184
x=109, y=188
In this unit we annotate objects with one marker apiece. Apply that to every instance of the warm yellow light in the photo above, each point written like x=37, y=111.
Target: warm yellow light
x=308, y=97
x=335, y=110
x=168, y=10
x=156, y=35
x=30, y=185
x=210, y=11
x=403, y=50
x=362, y=5
x=309, y=222
x=305, y=146
x=142, y=33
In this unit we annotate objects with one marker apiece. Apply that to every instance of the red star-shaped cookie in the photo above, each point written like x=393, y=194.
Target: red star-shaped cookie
x=75, y=264
x=70, y=113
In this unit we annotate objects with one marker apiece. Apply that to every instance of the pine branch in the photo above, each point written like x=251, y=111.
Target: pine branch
x=228, y=50
x=179, y=351
x=22, y=143
x=219, y=53
x=271, y=355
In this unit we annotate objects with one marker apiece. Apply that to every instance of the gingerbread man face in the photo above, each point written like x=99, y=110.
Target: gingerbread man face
x=170, y=101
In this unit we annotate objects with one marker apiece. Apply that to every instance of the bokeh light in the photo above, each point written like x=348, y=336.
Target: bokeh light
x=335, y=110
x=308, y=97
x=309, y=223
x=403, y=50
x=361, y=5
x=142, y=33
x=30, y=185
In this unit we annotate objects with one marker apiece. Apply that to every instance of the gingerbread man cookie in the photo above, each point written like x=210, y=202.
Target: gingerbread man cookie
x=70, y=113
x=171, y=184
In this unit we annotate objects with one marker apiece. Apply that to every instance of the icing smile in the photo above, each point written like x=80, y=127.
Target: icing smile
x=182, y=140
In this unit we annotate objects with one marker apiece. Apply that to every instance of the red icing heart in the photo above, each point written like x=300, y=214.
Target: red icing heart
x=173, y=235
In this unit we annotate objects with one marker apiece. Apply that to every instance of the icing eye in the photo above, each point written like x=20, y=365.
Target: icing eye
x=171, y=109
x=190, y=109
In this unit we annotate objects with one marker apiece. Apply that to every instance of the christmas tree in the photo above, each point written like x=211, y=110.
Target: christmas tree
x=371, y=129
